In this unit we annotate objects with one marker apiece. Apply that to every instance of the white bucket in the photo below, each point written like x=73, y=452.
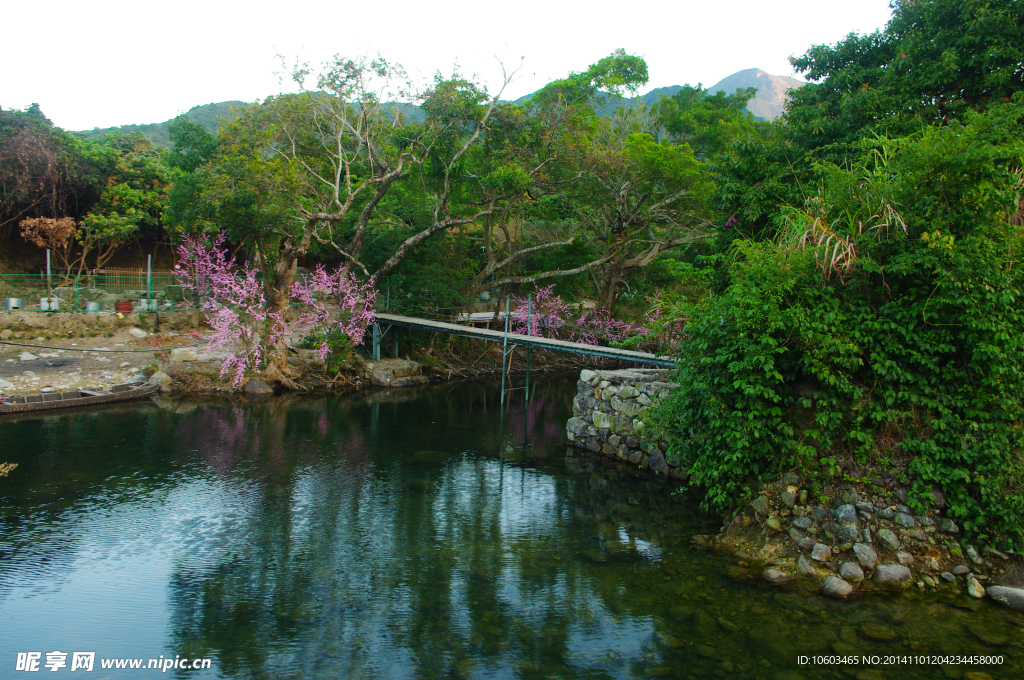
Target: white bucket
x=14, y=303
x=51, y=304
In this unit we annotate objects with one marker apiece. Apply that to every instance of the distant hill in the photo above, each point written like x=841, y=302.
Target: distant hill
x=771, y=90
x=771, y=96
x=767, y=105
x=208, y=115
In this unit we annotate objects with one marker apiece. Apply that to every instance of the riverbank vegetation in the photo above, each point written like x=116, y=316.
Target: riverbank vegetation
x=840, y=286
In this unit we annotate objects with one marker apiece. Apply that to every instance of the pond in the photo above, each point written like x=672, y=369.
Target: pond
x=424, y=534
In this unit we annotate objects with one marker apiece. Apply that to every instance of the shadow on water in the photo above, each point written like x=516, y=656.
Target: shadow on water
x=407, y=534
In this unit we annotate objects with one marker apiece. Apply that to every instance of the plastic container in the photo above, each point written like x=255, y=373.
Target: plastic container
x=93, y=306
x=50, y=304
x=14, y=303
x=123, y=306
x=147, y=305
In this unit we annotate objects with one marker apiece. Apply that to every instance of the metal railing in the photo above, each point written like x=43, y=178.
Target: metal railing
x=93, y=292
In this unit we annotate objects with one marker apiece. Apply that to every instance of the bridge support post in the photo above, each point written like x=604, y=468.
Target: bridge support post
x=504, y=354
x=529, y=331
x=376, y=342
x=394, y=340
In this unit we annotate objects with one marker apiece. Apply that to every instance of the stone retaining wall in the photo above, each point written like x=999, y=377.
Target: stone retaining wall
x=609, y=414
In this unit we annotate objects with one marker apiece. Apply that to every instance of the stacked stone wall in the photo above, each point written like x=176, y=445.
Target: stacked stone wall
x=610, y=416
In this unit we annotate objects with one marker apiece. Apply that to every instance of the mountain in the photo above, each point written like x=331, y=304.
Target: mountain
x=771, y=90
x=208, y=115
x=767, y=105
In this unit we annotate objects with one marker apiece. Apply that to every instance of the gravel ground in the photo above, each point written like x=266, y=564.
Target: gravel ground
x=80, y=362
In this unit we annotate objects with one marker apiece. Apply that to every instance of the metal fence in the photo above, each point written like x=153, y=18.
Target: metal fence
x=108, y=290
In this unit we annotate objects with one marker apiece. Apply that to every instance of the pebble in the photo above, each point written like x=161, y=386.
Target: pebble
x=905, y=558
x=925, y=521
x=892, y=575
x=973, y=554
x=805, y=568
x=886, y=513
x=819, y=513
x=802, y=541
x=773, y=524
x=904, y=520
x=125, y=364
x=836, y=587
x=802, y=522
x=867, y=557
x=846, y=514
x=821, y=552
x=788, y=499
x=974, y=589
x=888, y=539
x=946, y=576
x=47, y=390
x=961, y=569
x=27, y=356
x=851, y=571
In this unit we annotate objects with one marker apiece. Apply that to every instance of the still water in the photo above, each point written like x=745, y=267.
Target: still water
x=404, y=535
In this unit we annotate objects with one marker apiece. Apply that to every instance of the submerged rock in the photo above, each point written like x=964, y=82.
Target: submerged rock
x=805, y=568
x=879, y=633
x=776, y=577
x=257, y=388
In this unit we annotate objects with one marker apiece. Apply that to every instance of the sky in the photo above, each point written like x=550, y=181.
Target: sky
x=104, y=63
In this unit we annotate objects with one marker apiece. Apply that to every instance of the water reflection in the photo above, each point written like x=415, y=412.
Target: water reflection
x=399, y=534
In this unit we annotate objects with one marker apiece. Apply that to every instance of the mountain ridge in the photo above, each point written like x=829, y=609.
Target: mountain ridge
x=767, y=105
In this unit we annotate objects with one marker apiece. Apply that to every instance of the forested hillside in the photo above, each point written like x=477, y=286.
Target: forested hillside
x=208, y=116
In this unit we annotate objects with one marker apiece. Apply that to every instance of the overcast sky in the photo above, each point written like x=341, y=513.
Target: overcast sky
x=102, y=63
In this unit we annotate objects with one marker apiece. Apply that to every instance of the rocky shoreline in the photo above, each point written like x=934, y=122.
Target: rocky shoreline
x=866, y=539
x=862, y=537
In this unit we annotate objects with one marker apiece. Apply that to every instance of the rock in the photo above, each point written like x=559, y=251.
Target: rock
x=802, y=541
x=182, y=354
x=891, y=576
x=788, y=499
x=846, y=515
x=917, y=534
x=819, y=513
x=821, y=552
x=628, y=392
x=160, y=378
x=836, y=587
x=961, y=569
x=973, y=555
x=925, y=521
x=888, y=540
x=802, y=497
x=865, y=507
x=382, y=377
x=257, y=388
x=851, y=571
x=6, y=334
x=867, y=557
x=47, y=390
x=125, y=364
x=849, y=497
x=902, y=495
x=802, y=522
x=601, y=420
x=657, y=463
x=791, y=478
x=886, y=513
x=137, y=332
x=990, y=637
x=905, y=558
x=27, y=356
x=904, y=520
x=938, y=498
x=946, y=576
x=974, y=589
x=586, y=375
x=1011, y=597
x=760, y=505
x=879, y=633
x=137, y=379
x=772, y=649
x=773, y=524
x=805, y=568
x=5, y=384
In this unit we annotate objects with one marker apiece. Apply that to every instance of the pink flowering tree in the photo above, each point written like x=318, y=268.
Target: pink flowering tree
x=547, y=315
x=244, y=325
